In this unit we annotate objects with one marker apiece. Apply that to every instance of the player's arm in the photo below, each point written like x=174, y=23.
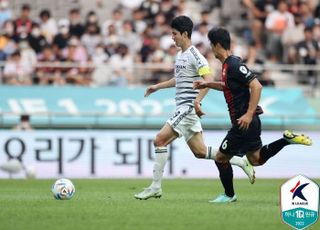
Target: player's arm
x=162, y=85
x=201, y=84
x=255, y=94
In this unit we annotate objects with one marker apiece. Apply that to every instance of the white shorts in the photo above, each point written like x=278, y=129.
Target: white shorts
x=185, y=122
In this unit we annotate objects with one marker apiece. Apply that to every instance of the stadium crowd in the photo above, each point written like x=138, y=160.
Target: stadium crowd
x=74, y=50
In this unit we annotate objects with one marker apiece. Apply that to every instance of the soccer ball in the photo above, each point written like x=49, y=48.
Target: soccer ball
x=63, y=189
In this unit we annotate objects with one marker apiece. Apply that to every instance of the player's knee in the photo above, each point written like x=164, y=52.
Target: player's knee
x=159, y=141
x=221, y=158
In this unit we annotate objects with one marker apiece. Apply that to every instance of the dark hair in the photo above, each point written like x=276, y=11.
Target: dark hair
x=26, y=7
x=24, y=117
x=182, y=24
x=45, y=13
x=221, y=36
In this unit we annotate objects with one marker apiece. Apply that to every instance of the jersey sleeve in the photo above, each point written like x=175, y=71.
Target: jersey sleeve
x=240, y=72
x=201, y=64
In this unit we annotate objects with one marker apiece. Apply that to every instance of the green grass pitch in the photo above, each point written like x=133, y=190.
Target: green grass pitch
x=109, y=204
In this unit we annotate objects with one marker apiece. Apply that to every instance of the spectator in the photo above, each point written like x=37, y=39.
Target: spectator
x=139, y=24
x=205, y=18
x=130, y=38
x=259, y=10
x=168, y=9
x=276, y=23
x=48, y=25
x=148, y=42
x=16, y=72
x=159, y=73
x=92, y=19
x=75, y=54
x=201, y=35
x=60, y=41
x=47, y=74
x=36, y=40
x=306, y=14
x=290, y=37
x=5, y=13
x=122, y=64
x=150, y=9
x=116, y=20
x=308, y=53
x=28, y=55
x=23, y=25
x=7, y=44
x=111, y=39
x=24, y=123
x=91, y=38
x=76, y=27
x=99, y=56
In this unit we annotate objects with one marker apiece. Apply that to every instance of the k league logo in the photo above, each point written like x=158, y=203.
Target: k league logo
x=300, y=202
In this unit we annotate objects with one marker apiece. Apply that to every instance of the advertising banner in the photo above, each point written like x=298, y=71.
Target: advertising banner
x=130, y=154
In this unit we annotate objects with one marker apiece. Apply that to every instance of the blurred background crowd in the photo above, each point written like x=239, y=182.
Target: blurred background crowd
x=128, y=42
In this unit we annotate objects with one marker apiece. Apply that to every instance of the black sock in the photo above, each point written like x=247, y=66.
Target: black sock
x=268, y=151
x=226, y=177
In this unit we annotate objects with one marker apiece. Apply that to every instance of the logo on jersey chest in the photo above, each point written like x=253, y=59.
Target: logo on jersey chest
x=180, y=67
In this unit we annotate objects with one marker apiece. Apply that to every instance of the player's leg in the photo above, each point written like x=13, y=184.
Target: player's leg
x=225, y=153
x=200, y=150
x=262, y=155
x=226, y=178
x=165, y=136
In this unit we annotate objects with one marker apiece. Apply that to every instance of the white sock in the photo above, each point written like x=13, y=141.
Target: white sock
x=161, y=156
x=211, y=153
x=235, y=160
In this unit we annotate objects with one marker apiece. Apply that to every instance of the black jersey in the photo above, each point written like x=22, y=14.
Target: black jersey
x=236, y=77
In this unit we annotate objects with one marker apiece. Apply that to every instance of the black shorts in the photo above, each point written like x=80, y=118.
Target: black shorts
x=239, y=142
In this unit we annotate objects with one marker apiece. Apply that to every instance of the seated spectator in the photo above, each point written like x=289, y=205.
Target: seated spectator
x=48, y=25
x=5, y=12
x=92, y=19
x=306, y=14
x=111, y=39
x=23, y=24
x=116, y=20
x=36, y=40
x=75, y=54
x=76, y=27
x=308, y=53
x=139, y=24
x=99, y=56
x=60, y=41
x=28, y=55
x=16, y=72
x=122, y=63
x=46, y=73
x=7, y=43
x=91, y=38
x=201, y=35
x=130, y=38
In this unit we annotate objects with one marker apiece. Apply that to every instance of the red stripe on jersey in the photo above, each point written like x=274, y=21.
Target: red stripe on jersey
x=227, y=92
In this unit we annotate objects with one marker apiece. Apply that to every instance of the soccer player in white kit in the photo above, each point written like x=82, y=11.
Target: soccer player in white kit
x=190, y=65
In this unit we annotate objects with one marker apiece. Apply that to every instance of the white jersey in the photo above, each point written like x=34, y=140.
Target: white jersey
x=189, y=66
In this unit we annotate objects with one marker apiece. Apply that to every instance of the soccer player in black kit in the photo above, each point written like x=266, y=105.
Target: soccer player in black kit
x=242, y=92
